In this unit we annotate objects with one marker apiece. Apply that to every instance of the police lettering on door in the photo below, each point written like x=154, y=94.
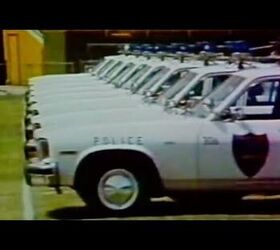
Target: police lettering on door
x=105, y=140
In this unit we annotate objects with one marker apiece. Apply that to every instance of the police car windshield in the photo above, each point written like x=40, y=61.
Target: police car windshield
x=214, y=99
x=111, y=71
x=99, y=65
x=151, y=79
x=115, y=80
x=203, y=87
x=170, y=80
x=104, y=67
x=178, y=86
x=135, y=75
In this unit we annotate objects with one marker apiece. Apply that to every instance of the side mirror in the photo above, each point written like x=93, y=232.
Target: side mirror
x=237, y=113
x=225, y=114
x=182, y=103
x=233, y=114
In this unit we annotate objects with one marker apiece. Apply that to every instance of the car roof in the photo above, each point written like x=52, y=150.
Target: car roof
x=215, y=68
x=260, y=72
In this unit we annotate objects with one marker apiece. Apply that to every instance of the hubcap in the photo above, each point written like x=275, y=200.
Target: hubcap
x=118, y=189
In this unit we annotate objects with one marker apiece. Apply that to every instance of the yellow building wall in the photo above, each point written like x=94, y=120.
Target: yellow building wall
x=23, y=54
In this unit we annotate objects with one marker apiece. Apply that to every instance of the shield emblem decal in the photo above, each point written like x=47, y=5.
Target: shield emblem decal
x=250, y=152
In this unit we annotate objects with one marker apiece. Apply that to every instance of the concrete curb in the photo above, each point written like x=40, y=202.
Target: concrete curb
x=27, y=202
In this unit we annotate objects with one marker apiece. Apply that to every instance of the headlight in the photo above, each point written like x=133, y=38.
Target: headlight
x=43, y=148
x=27, y=119
x=30, y=103
x=36, y=125
x=30, y=149
x=29, y=132
x=34, y=112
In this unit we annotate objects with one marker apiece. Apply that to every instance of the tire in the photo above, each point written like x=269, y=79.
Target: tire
x=113, y=190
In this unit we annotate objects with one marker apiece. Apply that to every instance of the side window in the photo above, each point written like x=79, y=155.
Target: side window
x=206, y=85
x=262, y=94
x=153, y=77
x=197, y=89
x=219, y=79
x=152, y=74
x=122, y=73
x=260, y=100
x=170, y=81
x=112, y=70
x=136, y=75
x=104, y=68
x=174, y=78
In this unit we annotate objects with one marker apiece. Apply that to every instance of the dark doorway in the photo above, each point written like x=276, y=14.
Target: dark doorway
x=3, y=72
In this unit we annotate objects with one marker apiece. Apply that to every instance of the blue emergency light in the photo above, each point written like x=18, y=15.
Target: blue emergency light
x=238, y=46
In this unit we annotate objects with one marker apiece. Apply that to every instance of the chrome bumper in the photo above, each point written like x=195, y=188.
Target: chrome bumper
x=42, y=173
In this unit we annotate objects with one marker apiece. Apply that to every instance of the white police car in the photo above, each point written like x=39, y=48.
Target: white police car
x=180, y=91
x=57, y=79
x=230, y=141
x=74, y=84
x=177, y=78
x=154, y=73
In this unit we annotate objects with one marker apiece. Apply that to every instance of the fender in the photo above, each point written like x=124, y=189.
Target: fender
x=136, y=148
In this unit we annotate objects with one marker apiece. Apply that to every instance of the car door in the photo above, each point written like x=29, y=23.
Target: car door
x=246, y=149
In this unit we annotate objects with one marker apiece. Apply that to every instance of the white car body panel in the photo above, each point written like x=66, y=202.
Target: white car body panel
x=42, y=81
x=95, y=86
x=72, y=79
x=150, y=134
x=139, y=113
x=186, y=149
x=57, y=102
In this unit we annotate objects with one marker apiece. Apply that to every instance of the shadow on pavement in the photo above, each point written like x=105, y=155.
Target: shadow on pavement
x=157, y=209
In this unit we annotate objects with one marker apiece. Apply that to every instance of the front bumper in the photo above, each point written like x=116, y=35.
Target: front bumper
x=42, y=173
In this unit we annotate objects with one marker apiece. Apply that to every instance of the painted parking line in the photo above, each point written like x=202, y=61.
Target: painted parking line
x=27, y=202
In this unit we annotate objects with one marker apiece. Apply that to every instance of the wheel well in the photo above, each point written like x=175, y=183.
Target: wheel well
x=106, y=158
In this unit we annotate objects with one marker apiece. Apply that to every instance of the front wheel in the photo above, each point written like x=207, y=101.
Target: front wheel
x=117, y=190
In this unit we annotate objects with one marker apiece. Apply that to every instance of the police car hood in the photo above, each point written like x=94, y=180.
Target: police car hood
x=64, y=85
x=85, y=92
x=127, y=133
x=55, y=77
x=105, y=102
x=114, y=115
